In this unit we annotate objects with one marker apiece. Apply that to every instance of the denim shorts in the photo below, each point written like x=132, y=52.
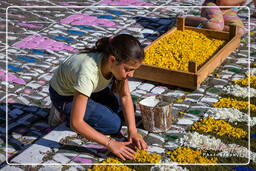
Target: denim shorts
x=102, y=111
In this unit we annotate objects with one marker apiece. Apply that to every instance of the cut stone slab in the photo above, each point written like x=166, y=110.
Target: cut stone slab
x=171, y=145
x=209, y=100
x=61, y=158
x=184, y=121
x=133, y=84
x=154, y=149
x=146, y=86
x=152, y=138
x=11, y=168
x=158, y=90
x=51, y=168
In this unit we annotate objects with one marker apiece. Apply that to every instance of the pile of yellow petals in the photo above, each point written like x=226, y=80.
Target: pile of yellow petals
x=175, y=50
x=233, y=103
x=220, y=127
x=142, y=156
x=188, y=155
x=244, y=81
x=109, y=160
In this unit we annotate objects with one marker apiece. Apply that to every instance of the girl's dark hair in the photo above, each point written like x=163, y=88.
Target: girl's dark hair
x=123, y=46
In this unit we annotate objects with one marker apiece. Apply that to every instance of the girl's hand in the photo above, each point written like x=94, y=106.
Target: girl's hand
x=121, y=149
x=138, y=141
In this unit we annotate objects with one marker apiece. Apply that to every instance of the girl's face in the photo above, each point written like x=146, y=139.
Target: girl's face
x=124, y=70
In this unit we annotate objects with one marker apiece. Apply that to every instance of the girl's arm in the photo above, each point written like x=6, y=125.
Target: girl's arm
x=78, y=124
x=230, y=2
x=127, y=105
x=128, y=111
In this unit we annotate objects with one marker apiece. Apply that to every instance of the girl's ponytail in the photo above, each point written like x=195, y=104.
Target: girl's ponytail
x=124, y=47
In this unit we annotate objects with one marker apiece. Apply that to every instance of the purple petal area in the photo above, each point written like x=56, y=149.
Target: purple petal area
x=95, y=146
x=83, y=19
x=39, y=42
x=31, y=25
x=125, y=2
x=11, y=78
x=82, y=160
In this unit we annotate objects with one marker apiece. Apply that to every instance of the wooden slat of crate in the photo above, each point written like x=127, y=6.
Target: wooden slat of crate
x=188, y=79
x=214, y=34
x=166, y=76
x=217, y=59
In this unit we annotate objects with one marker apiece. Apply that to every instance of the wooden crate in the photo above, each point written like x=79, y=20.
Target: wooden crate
x=194, y=77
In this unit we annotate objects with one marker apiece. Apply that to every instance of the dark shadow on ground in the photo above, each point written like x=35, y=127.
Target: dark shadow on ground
x=21, y=120
x=158, y=25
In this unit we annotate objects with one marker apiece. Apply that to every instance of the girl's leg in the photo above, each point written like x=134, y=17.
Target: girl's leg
x=231, y=18
x=107, y=98
x=57, y=114
x=103, y=117
x=214, y=16
x=99, y=116
x=195, y=21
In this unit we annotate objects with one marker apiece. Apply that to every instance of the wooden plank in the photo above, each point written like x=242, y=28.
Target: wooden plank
x=217, y=59
x=181, y=23
x=211, y=33
x=192, y=67
x=232, y=31
x=166, y=76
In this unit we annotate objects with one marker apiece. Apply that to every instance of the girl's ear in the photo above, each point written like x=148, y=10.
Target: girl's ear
x=112, y=58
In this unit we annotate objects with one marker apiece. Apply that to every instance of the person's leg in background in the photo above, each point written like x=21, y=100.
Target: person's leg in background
x=211, y=18
x=195, y=21
x=254, y=12
x=231, y=18
x=214, y=16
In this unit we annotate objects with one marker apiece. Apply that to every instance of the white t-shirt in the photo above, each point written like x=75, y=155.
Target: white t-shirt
x=80, y=72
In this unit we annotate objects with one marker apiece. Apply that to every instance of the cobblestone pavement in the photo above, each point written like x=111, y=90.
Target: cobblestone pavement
x=62, y=31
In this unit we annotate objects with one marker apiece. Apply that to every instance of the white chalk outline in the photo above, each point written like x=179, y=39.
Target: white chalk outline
x=159, y=164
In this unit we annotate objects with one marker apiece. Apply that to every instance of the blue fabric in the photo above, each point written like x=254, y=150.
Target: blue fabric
x=102, y=110
x=253, y=136
x=242, y=168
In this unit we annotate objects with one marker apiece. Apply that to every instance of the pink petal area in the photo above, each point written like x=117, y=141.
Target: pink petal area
x=11, y=100
x=125, y=3
x=83, y=19
x=27, y=91
x=82, y=160
x=39, y=42
x=11, y=78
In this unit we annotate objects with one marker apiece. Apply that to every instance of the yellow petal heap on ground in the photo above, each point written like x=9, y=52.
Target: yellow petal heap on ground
x=244, y=81
x=188, y=155
x=220, y=127
x=233, y=103
x=175, y=50
x=110, y=167
x=146, y=157
x=141, y=156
